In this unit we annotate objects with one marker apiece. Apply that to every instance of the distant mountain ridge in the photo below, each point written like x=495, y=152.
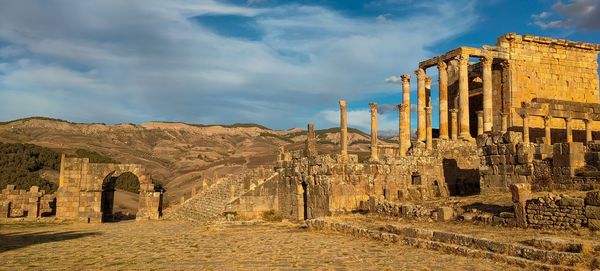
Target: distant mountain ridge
x=178, y=155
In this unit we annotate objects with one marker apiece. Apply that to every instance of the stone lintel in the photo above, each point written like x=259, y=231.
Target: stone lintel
x=471, y=51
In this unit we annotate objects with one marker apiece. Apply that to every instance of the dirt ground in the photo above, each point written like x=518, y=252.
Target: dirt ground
x=169, y=245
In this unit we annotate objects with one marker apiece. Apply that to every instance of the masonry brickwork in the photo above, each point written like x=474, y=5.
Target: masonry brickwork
x=20, y=203
x=80, y=193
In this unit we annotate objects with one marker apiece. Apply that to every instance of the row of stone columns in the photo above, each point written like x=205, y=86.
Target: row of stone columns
x=463, y=98
x=548, y=131
x=459, y=118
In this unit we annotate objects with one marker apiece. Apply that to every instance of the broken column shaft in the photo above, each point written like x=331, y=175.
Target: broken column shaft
x=343, y=130
x=374, y=141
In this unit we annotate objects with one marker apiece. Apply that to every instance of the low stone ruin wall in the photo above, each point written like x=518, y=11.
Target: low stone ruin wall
x=506, y=160
x=407, y=210
x=564, y=212
x=33, y=203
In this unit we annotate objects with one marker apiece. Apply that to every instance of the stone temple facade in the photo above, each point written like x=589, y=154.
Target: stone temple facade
x=524, y=111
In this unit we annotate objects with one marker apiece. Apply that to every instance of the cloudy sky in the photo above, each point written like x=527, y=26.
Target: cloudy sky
x=278, y=63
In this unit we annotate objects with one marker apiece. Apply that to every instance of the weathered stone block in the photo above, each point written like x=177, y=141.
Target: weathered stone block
x=594, y=224
x=592, y=212
x=512, y=137
x=569, y=201
x=445, y=213
x=593, y=198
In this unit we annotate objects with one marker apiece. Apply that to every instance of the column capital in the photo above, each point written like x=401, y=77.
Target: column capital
x=568, y=119
x=479, y=113
x=428, y=81
x=453, y=110
x=587, y=121
x=420, y=73
x=373, y=106
x=428, y=109
x=486, y=59
x=463, y=59
x=442, y=66
x=405, y=78
x=402, y=107
x=342, y=102
x=505, y=64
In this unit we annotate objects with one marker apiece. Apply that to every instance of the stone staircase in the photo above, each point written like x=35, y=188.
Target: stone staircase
x=209, y=205
x=206, y=206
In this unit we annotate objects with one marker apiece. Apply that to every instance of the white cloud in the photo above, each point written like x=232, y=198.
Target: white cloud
x=393, y=80
x=578, y=14
x=542, y=15
x=144, y=60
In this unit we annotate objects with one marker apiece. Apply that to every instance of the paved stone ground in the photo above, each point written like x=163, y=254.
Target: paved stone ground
x=170, y=245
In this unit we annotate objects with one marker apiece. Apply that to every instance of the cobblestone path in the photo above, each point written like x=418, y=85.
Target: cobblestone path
x=169, y=245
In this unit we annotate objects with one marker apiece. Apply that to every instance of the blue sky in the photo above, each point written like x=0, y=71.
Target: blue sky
x=278, y=63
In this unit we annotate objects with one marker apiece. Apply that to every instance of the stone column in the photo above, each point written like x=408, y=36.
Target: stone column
x=588, y=130
x=504, y=125
x=343, y=130
x=428, y=131
x=569, y=129
x=406, y=100
x=486, y=65
x=525, y=127
x=311, y=146
x=443, y=84
x=479, y=122
x=374, y=151
x=421, y=103
x=463, y=96
x=547, y=130
x=404, y=132
x=454, y=123
x=427, y=92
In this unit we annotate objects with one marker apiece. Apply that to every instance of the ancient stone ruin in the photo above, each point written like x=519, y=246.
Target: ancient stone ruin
x=525, y=113
x=85, y=193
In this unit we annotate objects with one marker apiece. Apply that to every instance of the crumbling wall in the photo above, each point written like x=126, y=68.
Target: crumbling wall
x=324, y=184
x=19, y=202
x=564, y=212
x=505, y=160
x=260, y=197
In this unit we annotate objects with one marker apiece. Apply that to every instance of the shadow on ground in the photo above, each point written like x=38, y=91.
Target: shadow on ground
x=18, y=240
x=490, y=208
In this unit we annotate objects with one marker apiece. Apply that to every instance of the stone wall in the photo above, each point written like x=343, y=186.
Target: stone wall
x=564, y=212
x=259, y=197
x=549, y=68
x=505, y=160
x=326, y=184
x=19, y=202
x=407, y=210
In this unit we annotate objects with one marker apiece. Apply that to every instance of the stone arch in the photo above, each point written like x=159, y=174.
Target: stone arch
x=79, y=195
x=147, y=209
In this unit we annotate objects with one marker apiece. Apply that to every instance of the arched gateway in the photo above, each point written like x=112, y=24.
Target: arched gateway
x=79, y=194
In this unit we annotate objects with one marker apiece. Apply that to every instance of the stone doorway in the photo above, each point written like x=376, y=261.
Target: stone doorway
x=120, y=197
x=306, y=214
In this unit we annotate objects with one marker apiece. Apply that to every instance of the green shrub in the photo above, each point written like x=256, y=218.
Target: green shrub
x=20, y=165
